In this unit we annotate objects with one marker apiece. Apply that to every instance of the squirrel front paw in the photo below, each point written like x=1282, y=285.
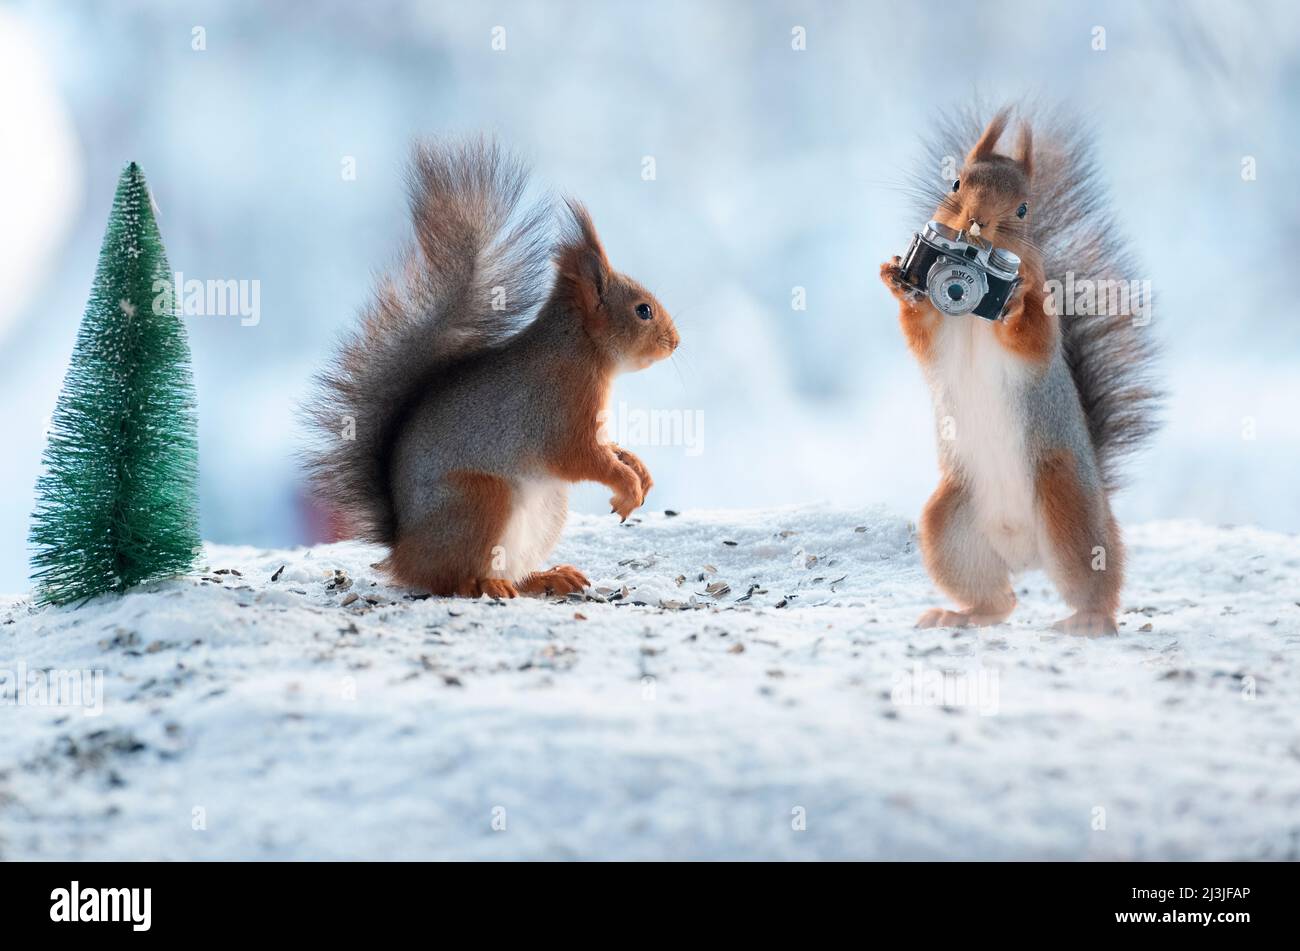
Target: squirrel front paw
x=623, y=503
x=633, y=462
x=631, y=482
x=891, y=274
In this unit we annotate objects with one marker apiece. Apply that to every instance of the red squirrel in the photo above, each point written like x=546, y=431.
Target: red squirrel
x=474, y=386
x=1036, y=409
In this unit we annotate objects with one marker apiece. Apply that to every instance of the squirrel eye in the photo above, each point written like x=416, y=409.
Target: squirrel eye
x=1023, y=209
x=956, y=184
x=643, y=311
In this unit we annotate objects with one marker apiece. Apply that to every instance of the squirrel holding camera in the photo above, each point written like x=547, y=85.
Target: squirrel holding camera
x=1035, y=409
x=473, y=389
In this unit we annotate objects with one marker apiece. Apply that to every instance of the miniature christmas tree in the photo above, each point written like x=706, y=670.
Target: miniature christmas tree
x=117, y=503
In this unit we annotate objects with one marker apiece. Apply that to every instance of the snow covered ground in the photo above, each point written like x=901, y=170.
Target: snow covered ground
x=791, y=711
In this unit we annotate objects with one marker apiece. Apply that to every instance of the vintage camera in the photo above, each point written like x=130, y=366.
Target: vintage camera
x=962, y=274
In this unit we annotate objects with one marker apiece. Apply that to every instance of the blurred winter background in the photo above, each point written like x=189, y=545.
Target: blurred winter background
x=771, y=173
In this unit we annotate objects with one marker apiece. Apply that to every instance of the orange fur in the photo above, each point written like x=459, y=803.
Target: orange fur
x=918, y=329
x=1025, y=149
x=988, y=600
x=589, y=286
x=560, y=580
x=580, y=293
x=583, y=271
x=988, y=140
x=917, y=318
x=581, y=456
x=1028, y=330
x=1076, y=525
x=935, y=519
x=485, y=505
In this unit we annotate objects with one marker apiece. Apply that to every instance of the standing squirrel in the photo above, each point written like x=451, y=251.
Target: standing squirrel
x=1035, y=410
x=470, y=419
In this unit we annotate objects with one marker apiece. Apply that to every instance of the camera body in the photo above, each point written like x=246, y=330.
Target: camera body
x=961, y=274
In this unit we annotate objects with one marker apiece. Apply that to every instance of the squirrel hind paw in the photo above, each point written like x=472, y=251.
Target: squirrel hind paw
x=560, y=580
x=477, y=588
x=497, y=588
x=1088, y=624
x=941, y=617
x=984, y=616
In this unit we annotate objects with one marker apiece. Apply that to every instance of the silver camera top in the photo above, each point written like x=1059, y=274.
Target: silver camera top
x=998, y=261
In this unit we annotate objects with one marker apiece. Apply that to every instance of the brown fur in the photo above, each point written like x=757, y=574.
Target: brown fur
x=1028, y=330
x=466, y=571
x=582, y=457
x=582, y=272
x=936, y=517
x=560, y=580
x=916, y=317
x=982, y=584
x=1077, y=523
x=587, y=284
x=988, y=140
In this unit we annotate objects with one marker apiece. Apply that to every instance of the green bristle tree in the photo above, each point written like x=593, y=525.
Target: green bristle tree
x=117, y=503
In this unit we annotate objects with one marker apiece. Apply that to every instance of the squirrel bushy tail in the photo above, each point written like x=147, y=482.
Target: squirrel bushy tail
x=478, y=266
x=1110, y=358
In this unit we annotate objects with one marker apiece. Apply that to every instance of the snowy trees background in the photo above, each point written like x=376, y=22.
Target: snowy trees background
x=771, y=171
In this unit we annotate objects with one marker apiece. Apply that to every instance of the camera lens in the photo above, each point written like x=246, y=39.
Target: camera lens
x=955, y=286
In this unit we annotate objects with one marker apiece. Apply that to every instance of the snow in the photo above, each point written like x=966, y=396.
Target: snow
x=249, y=718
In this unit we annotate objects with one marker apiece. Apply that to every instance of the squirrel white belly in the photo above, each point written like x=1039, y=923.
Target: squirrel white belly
x=983, y=433
x=539, y=509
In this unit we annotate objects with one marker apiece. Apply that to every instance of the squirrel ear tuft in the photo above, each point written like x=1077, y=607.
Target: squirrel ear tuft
x=989, y=139
x=1025, y=150
x=583, y=267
